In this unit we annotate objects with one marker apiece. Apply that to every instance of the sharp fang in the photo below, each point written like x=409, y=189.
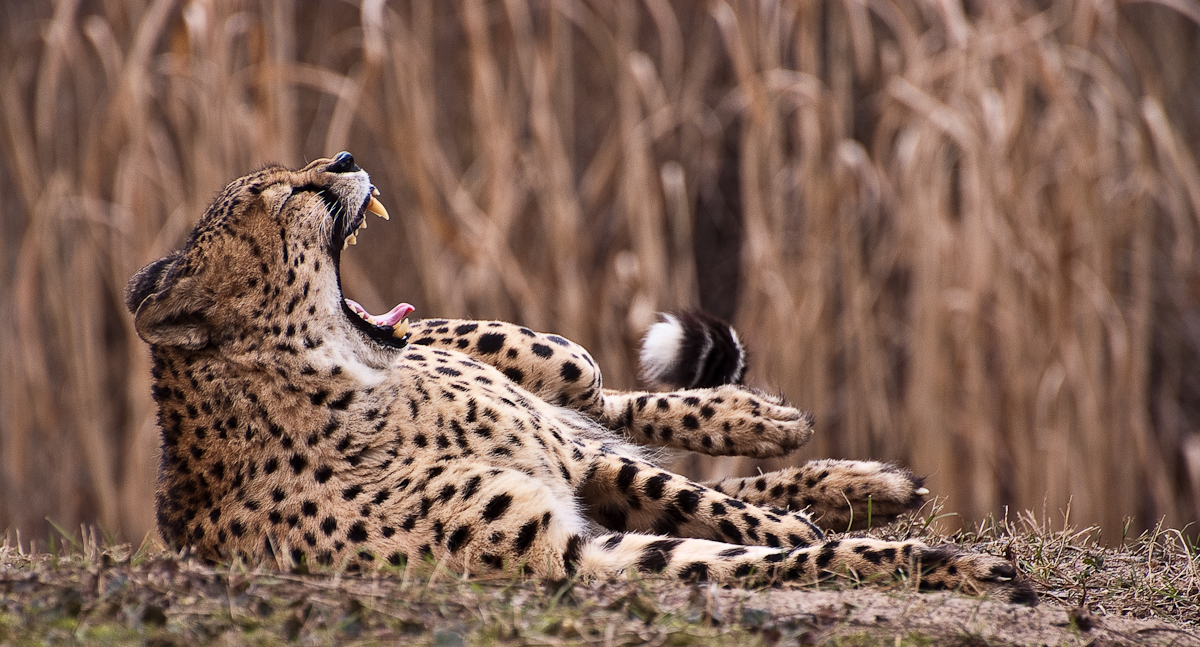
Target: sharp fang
x=921, y=491
x=376, y=207
x=374, y=191
x=352, y=239
x=400, y=329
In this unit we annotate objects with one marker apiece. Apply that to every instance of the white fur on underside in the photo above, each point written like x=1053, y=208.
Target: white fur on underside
x=660, y=348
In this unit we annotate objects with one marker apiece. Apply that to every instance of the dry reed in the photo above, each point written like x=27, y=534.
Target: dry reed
x=965, y=236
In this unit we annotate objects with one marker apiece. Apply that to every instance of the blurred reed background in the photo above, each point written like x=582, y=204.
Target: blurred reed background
x=964, y=234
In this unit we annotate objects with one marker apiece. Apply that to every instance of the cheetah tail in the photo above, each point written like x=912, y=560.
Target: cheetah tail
x=692, y=350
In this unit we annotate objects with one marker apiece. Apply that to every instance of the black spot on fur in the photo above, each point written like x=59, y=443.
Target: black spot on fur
x=572, y=553
x=688, y=500
x=654, y=486
x=525, y=537
x=328, y=526
x=343, y=401
x=490, y=343
x=625, y=476
x=826, y=554
x=470, y=487
x=657, y=555
x=458, y=538
x=496, y=507
x=570, y=372
x=731, y=531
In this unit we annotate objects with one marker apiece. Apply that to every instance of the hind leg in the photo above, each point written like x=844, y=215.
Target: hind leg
x=940, y=568
x=524, y=527
x=626, y=494
x=838, y=495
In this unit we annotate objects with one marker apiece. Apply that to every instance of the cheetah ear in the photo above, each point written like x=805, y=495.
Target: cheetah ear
x=168, y=306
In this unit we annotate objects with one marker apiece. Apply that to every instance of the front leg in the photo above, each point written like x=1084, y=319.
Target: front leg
x=553, y=368
x=727, y=420
x=629, y=495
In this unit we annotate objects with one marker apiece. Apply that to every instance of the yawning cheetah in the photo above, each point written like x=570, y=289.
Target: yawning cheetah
x=296, y=425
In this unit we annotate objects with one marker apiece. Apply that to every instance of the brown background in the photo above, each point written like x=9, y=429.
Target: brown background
x=965, y=235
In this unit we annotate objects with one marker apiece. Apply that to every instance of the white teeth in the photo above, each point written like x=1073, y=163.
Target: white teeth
x=921, y=491
x=374, y=191
x=376, y=207
x=352, y=239
x=400, y=329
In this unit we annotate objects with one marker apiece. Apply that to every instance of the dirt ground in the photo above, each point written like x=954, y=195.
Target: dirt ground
x=876, y=617
x=155, y=598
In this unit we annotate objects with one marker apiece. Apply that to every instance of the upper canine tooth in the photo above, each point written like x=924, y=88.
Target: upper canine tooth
x=376, y=207
x=352, y=239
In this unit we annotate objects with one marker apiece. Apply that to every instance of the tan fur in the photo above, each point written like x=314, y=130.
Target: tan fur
x=292, y=432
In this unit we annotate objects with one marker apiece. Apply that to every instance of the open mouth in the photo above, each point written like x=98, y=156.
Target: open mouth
x=390, y=329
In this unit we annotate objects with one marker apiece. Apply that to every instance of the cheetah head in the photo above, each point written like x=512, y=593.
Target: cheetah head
x=260, y=272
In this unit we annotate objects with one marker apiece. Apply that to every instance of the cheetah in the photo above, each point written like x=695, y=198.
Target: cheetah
x=299, y=428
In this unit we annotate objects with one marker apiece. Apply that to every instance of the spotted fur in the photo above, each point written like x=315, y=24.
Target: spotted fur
x=295, y=430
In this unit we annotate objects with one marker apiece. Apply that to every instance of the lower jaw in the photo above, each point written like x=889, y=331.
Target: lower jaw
x=389, y=330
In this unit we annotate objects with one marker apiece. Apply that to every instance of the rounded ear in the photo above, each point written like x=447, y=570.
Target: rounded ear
x=274, y=197
x=168, y=308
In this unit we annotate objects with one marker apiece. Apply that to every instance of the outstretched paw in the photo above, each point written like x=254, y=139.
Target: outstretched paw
x=720, y=421
x=839, y=495
x=949, y=567
x=754, y=424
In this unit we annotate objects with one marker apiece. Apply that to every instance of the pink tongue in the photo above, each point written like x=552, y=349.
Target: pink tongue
x=393, y=317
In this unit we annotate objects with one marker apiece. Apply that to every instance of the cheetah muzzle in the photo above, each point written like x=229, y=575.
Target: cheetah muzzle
x=296, y=426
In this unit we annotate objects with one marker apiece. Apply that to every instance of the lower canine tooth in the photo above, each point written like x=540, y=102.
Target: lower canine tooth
x=400, y=329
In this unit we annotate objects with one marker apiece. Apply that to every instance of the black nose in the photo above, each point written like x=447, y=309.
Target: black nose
x=343, y=162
